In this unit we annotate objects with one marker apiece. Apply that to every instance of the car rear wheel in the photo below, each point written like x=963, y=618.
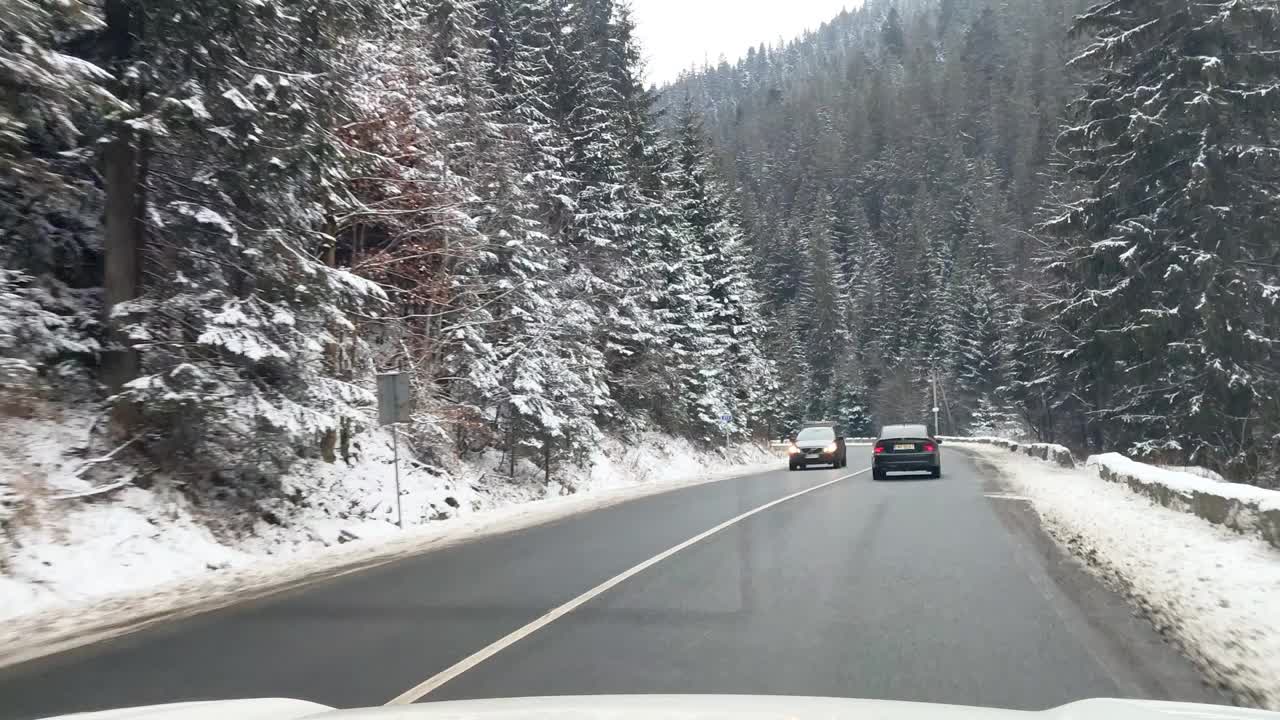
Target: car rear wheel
x=877, y=474
x=936, y=472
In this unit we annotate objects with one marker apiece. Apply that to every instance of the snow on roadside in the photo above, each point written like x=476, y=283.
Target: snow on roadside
x=1187, y=482
x=79, y=567
x=1214, y=591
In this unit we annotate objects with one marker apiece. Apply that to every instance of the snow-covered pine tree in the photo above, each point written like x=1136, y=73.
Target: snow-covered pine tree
x=51, y=92
x=726, y=300
x=1167, y=296
x=240, y=330
x=1033, y=387
x=825, y=305
x=608, y=128
x=50, y=207
x=979, y=361
x=546, y=396
x=481, y=148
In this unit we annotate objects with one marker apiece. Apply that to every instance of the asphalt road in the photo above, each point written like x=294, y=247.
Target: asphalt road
x=928, y=590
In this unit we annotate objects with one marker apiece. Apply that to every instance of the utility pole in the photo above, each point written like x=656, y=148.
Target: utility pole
x=937, y=430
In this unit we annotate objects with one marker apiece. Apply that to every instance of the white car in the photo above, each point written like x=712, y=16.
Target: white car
x=683, y=707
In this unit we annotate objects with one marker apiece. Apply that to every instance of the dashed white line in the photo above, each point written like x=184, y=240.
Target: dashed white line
x=422, y=689
x=1007, y=496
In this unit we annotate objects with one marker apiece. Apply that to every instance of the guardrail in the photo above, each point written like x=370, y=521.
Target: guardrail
x=1244, y=508
x=1049, y=452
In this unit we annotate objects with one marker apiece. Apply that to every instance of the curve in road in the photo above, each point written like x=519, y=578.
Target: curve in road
x=929, y=590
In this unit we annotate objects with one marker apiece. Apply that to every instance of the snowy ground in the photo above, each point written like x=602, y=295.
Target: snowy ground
x=76, y=567
x=1213, y=591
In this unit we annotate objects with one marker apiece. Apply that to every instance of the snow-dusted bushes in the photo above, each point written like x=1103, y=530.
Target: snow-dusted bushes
x=42, y=321
x=242, y=386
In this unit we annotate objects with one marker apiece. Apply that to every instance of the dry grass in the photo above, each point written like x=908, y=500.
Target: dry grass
x=22, y=403
x=25, y=494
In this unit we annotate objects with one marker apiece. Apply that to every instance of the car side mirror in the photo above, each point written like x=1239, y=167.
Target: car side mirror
x=936, y=441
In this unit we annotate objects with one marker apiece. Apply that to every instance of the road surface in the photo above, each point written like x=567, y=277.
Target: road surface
x=930, y=590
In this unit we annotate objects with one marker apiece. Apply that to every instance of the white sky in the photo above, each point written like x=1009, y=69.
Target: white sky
x=678, y=33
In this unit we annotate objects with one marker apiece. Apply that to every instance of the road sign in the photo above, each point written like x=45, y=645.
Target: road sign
x=395, y=400
x=395, y=405
x=726, y=418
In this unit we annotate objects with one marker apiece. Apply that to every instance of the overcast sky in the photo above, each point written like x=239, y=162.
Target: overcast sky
x=679, y=33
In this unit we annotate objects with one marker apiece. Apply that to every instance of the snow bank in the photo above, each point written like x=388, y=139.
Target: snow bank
x=780, y=448
x=1244, y=508
x=1195, y=490
x=1213, y=591
x=981, y=440
x=77, y=566
x=1056, y=454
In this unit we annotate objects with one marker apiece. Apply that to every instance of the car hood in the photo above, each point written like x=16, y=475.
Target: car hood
x=677, y=707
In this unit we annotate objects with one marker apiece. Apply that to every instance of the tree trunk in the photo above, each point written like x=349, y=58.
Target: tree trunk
x=123, y=243
x=511, y=442
x=546, y=458
x=344, y=440
x=123, y=173
x=333, y=358
x=329, y=445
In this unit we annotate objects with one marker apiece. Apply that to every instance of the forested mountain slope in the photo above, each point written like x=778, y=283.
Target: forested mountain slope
x=221, y=218
x=1065, y=214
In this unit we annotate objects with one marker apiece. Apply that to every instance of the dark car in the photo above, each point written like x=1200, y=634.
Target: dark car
x=905, y=448
x=818, y=444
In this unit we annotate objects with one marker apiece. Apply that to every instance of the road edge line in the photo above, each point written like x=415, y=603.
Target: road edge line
x=424, y=688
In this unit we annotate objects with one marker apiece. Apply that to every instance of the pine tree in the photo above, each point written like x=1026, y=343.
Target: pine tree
x=50, y=90
x=724, y=298
x=238, y=326
x=49, y=202
x=1164, y=271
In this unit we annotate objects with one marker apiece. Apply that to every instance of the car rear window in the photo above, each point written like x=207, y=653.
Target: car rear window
x=816, y=434
x=904, y=431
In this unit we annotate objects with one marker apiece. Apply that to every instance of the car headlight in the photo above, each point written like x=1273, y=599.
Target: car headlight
x=792, y=449
x=831, y=448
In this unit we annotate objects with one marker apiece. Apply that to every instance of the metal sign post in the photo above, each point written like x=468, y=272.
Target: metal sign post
x=395, y=405
x=724, y=423
x=395, y=462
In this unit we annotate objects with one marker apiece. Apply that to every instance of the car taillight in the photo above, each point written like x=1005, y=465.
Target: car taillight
x=879, y=449
x=928, y=447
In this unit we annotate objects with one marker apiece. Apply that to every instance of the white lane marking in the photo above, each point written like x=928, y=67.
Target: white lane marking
x=422, y=689
x=1007, y=496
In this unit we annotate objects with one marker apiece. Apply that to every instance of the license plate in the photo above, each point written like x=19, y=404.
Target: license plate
x=811, y=455
x=904, y=447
